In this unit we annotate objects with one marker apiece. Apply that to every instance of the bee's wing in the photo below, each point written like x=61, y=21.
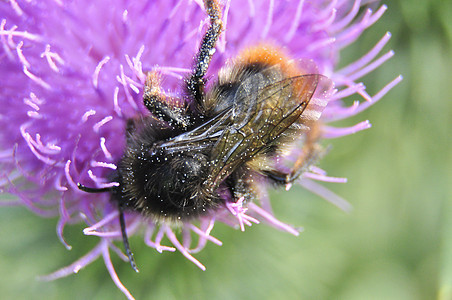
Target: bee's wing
x=201, y=137
x=258, y=121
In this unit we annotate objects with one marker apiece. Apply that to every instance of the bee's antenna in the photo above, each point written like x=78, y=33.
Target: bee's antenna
x=93, y=190
x=125, y=240
x=122, y=222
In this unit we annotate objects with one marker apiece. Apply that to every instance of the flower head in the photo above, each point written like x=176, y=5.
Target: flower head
x=73, y=73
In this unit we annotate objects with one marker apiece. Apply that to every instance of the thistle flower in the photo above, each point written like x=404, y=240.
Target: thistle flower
x=72, y=74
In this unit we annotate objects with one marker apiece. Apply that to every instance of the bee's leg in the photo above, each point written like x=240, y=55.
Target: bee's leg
x=195, y=83
x=125, y=240
x=239, y=185
x=285, y=179
x=280, y=177
x=306, y=159
x=310, y=153
x=155, y=102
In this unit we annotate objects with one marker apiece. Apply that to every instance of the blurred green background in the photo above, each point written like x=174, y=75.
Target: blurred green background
x=395, y=244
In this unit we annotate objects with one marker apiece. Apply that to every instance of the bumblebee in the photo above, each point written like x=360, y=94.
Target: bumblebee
x=187, y=160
